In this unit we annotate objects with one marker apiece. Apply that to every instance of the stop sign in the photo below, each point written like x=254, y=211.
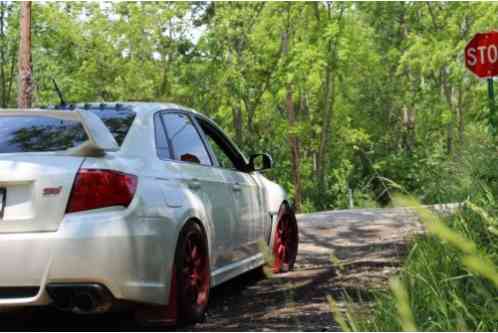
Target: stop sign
x=481, y=54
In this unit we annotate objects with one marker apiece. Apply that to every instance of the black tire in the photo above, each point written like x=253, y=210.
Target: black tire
x=192, y=274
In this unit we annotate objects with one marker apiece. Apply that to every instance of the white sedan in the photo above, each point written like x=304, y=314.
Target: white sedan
x=134, y=203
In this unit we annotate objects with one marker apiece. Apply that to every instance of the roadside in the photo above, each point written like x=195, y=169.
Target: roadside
x=368, y=245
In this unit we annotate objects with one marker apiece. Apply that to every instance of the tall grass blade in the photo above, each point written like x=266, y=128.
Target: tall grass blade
x=403, y=305
x=482, y=266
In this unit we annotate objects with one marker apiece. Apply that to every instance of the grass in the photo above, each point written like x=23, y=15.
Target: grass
x=450, y=278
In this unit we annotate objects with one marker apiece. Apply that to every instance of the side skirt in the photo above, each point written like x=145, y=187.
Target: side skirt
x=230, y=271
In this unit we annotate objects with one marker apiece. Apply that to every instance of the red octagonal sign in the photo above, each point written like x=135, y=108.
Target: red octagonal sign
x=481, y=54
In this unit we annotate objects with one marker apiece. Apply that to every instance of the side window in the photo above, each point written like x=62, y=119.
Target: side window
x=226, y=155
x=221, y=156
x=162, y=146
x=186, y=142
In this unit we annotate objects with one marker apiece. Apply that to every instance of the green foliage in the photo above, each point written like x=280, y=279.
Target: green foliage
x=450, y=279
x=403, y=109
x=383, y=84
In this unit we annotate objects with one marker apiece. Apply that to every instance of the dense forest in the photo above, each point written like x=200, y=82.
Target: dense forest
x=354, y=101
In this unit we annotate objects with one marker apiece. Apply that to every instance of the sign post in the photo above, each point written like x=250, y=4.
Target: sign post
x=481, y=58
x=492, y=107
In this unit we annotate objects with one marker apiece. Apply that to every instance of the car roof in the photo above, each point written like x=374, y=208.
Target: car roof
x=142, y=109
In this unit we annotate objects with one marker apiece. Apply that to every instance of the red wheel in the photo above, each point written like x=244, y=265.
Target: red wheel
x=190, y=283
x=286, y=240
x=192, y=274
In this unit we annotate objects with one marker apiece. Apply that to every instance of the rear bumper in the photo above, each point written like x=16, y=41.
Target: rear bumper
x=108, y=249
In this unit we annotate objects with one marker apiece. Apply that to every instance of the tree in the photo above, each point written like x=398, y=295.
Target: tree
x=25, y=95
x=332, y=44
x=291, y=118
x=8, y=49
x=360, y=92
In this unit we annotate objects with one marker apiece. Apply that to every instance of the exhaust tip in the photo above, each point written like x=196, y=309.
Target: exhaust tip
x=80, y=298
x=62, y=297
x=64, y=300
x=85, y=302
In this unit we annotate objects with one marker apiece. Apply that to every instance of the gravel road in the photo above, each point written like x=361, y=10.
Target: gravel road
x=348, y=250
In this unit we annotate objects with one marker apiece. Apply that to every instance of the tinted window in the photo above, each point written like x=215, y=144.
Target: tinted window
x=187, y=144
x=117, y=121
x=39, y=134
x=223, y=159
x=226, y=154
x=162, y=146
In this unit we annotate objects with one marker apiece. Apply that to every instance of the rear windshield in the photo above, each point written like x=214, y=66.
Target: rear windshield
x=20, y=134
x=117, y=121
x=39, y=134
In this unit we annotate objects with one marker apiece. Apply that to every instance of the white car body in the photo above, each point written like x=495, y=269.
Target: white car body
x=128, y=250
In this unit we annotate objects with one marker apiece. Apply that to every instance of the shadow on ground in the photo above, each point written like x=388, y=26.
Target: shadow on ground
x=368, y=244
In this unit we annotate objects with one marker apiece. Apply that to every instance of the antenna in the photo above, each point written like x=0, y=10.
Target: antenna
x=59, y=93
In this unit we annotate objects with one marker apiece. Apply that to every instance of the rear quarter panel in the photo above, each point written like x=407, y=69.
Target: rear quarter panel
x=161, y=207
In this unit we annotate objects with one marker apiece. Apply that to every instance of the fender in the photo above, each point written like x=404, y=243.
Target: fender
x=274, y=196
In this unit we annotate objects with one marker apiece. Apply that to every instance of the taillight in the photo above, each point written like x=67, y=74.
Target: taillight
x=95, y=188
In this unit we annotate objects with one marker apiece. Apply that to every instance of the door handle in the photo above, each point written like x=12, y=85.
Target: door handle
x=194, y=184
x=236, y=187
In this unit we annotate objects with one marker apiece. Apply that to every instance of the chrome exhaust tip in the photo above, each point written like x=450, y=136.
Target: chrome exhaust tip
x=80, y=298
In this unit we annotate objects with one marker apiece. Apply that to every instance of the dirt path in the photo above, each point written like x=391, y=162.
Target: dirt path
x=368, y=244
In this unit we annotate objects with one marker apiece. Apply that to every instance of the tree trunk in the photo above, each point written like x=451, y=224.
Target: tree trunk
x=303, y=107
x=11, y=73
x=449, y=138
x=326, y=128
x=3, y=81
x=409, y=138
x=250, y=114
x=405, y=142
x=461, y=120
x=409, y=133
x=294, y=147
x=167, y=58
x=328, y=111
x=25, y=96
x=448, y=93
x=237, y=124
x=292, y=137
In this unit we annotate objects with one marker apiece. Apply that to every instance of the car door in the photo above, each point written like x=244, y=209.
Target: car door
x=249, y=212
x=189, y=150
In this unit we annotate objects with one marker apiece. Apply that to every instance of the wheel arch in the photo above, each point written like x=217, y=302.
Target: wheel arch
x=274, y=196
x=274, y=221
x=207, y=230
x=197, y=221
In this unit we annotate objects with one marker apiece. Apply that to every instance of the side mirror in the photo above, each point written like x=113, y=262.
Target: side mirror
x=259, y=162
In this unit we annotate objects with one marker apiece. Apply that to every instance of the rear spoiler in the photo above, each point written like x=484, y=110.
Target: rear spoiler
x=100, y=139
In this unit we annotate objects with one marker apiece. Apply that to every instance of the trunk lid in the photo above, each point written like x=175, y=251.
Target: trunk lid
x=34, y=190
x=40, y=154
